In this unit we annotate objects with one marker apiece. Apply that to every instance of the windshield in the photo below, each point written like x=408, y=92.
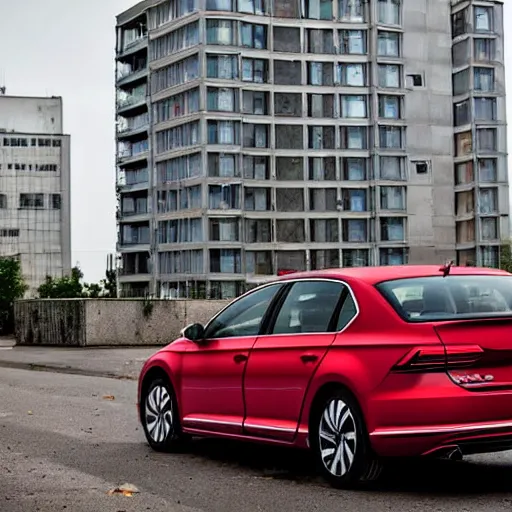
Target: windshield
x=428, y=299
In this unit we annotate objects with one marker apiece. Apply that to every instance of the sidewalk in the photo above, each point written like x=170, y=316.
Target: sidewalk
x=117, y=363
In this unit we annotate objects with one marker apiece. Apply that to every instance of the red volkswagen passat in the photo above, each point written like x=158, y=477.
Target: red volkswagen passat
x=356, y=364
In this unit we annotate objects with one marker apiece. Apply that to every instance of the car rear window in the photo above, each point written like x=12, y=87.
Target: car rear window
x=428, y=299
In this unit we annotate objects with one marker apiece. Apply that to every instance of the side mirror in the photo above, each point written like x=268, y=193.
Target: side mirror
x=193, y=332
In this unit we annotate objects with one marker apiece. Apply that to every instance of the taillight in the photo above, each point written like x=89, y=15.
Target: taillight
x=439, y=358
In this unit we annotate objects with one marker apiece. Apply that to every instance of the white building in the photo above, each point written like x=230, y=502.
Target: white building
x=35, y=187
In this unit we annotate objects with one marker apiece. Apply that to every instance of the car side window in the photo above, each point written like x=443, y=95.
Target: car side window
x=308, y=307
x=244, y=316
x=347, y=313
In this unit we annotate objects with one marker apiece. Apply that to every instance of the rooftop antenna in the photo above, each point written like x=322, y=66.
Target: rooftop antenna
x=445, y=269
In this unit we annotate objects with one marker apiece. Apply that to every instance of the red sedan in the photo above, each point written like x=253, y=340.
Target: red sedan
x=355, y=364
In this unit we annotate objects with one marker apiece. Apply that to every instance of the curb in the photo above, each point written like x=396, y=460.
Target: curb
x=64, y=370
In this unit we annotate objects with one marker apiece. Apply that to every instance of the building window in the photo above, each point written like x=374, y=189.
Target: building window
x=3, y=201
x=318, y=9
x=176, y=106
x=490, y=256
x=222, y=99
x=224, y=230
x=254, y=70
x=389, y=12
x=224, y=197
x=320, y=41
x=31, y=201
x=464, y=173
x=460, y=82
x=9, y=233
x=461, y=113
x=489, y=229
x=324, y=230
x=222, y=165
x=320, y=73
x=256, y=135
x=322, y=169
x=388, y=44
x=485, y=49
x=488, y=200
x=353, y=75
x=355, y=230
x=391, y=137
x=258, y=231
x=460, y=23
x=178, y=40
x=353, y=106
x=390, y=107
x=223, y=132
x=286, y=104
x=257, y=199
x=321, y=137
x=353, y=42
x=460, y=53
x=354, y=199
x=251, y=6
x=354, y=169
x=225, y=261
x=356, y=258
x=286, y=39
x=389, y=76
x=351, y=11
x=220, y=5
x=483, y=19
x=259, y=263
x=486, y=139
x=178, y=73
x=396, y=256
x=354, y=137
x=180, y=136
x=421, y=167
x=392, y=198
x=56, y=201
x=255, y=167
x=222, y=32
x=463, y=143
x=484, y=79
x=392, y=229
x=485, y=109
x=487, y=170
x=222, y=66
x=391, y=168
x=253, y=36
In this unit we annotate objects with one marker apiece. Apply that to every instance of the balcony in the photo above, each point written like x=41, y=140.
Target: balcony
x=136, y=267
x=134, y=237
x=133, y=45
x=135, y=99
x=134, y=205
x=132, y=152
x=132, y=71
x=132, y=126
x=132, y=180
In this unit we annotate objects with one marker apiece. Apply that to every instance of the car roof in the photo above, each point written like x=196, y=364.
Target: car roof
x=374, y=275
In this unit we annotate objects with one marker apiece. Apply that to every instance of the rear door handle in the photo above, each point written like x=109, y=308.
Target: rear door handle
x=308, y=358
x=240, y=358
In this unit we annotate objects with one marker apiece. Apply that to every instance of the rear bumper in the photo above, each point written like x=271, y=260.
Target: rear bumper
x=470, y=438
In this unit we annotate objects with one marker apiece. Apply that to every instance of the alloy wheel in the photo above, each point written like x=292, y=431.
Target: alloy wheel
x=337, y=438
x=159, y=414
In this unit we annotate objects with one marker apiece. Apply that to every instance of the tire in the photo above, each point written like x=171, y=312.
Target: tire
x=160, y=418
x=340, y=442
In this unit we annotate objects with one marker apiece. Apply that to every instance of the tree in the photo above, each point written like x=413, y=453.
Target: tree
x=67, y=287
x=72, y=287
x=506, y=256
x=12, y=287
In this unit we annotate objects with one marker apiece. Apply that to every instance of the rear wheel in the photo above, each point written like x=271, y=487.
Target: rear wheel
x=160, y=418
x=340, y=442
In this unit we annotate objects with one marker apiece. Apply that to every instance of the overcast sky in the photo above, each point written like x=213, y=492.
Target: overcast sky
x=66, y=48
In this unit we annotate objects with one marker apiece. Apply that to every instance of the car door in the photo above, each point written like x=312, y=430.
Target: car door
x=283, y=361
x=212, y=370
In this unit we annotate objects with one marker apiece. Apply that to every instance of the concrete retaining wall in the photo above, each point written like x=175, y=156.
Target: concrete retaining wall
x=107, y=322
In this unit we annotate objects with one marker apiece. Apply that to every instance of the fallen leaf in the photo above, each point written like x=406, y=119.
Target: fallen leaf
x=109, y=397
x=126, y=490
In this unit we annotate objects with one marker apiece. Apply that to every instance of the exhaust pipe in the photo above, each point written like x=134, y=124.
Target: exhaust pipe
x=454, y=454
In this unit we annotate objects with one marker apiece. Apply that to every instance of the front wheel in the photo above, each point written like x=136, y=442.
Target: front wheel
x=340, y=442
x=160, y=418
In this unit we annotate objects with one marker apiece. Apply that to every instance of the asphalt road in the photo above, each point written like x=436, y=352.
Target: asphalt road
x=63, y=446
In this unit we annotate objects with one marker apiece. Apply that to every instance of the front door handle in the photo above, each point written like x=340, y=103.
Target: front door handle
x=240, y=358
x=308, y=358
